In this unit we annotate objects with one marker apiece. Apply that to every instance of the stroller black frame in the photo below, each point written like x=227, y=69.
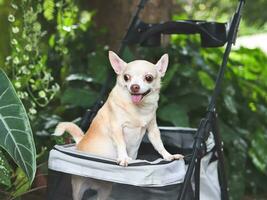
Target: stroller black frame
x=212, y=34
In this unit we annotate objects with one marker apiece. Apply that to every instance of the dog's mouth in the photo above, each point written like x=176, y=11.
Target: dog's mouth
x=137, y=97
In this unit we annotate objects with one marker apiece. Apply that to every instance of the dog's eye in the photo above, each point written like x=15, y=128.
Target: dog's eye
x=126, y=77
x=149, y=78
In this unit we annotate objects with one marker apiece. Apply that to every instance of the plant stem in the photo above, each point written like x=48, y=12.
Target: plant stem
x=30, y=191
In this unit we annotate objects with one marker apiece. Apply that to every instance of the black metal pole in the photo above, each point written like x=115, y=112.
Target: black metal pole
x=205, y=126
x=197, y=179
x=90, y=114
x=221, y=163
x=197, y=148
x=131, y=24
x=231, y=40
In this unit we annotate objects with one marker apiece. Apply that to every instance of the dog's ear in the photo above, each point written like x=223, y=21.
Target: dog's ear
x=162, y=64
x=116, y=62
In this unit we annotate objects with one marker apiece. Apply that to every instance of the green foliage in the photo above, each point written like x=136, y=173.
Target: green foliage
x=27, y=63
x=206, y=80
x=68, y=22
x=257, y=151
x=5, y=171
x=4, y=39
x=15, y=129
x=30, y=67
x=85, y=100
x=21, y=183
x=175, y=114
x=49, y=9
x=253, y=19
x=259, y=16
x=243, y=112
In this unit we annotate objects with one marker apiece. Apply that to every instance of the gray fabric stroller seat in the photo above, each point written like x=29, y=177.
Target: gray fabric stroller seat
x=149, y=177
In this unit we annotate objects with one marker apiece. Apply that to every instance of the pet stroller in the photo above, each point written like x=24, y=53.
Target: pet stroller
x=200, y=175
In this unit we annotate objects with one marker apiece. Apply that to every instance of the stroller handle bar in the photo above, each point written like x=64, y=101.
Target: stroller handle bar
x=213, y=34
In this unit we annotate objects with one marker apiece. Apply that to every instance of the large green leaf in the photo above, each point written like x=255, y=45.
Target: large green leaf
x=15, y=131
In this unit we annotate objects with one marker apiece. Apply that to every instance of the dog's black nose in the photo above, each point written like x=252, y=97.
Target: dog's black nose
x=135, y=88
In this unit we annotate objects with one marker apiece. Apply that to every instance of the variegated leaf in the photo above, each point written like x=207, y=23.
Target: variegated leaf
x=15, y=131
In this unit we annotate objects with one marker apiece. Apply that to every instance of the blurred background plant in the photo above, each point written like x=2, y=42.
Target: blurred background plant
x=55, y=53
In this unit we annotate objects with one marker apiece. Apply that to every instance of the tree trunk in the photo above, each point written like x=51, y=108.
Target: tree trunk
x=114, y=15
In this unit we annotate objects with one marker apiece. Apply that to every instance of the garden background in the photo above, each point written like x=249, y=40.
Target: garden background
x=55, y=55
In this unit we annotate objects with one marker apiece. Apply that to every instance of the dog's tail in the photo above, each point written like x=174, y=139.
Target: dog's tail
x=71, y=128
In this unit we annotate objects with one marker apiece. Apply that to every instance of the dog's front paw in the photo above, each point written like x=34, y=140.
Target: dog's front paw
x=123, y=161
x=170, y=157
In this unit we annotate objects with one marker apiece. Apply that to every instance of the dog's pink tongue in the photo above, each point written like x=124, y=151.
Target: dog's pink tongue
x=136, y=98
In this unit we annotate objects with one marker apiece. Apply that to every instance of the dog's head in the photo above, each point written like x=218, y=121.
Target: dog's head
x=139, y=78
